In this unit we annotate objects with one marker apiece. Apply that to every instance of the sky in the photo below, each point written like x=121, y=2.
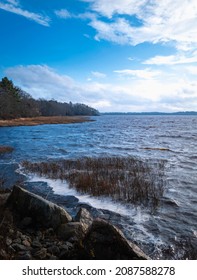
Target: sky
x=113, y=55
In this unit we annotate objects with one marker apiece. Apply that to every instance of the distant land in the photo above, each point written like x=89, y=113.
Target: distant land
x=184, y=113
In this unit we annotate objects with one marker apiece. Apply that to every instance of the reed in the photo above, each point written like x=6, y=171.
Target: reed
x=125, y=179
x=6, y=149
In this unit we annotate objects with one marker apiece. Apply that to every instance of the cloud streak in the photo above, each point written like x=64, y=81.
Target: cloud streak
x=13, y=6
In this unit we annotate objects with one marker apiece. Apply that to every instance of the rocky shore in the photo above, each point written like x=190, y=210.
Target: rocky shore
x=32, y=228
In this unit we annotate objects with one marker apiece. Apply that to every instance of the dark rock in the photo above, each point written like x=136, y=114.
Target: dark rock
x=54, y=250
x=24, y=256
x=19, y=247
x=66, y=231
x=43, y=212
x=36, y=244
x=105, y=241
x=17, y=240
x=3, y=255
x=40, y=254
x=26, y=243
x=84, y=217
x=26, y=222
x=53, y=257
x=8, y=241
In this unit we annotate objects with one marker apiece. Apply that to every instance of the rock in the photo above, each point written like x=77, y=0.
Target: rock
x=54, y=250
x=17, y=240
x=105, y=241
x=36, y=244
x=26, y=222
x=26, y=243
x=3, y=255
x=74, y=229
x=19, y=247
x=66, y=250
x=40, y=254
x=53, y=258
x=8, y=241
x=84, y=217
x=41, y=211
x=24, y=256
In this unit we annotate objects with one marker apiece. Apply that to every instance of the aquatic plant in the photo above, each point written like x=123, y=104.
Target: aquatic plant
x=125, y=179
x=6, y=149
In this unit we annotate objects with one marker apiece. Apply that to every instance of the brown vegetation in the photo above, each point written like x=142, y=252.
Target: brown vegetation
x=129, y=180
x=43, y=120
x=5, y=149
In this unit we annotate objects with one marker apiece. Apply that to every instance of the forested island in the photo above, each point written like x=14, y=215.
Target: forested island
x=16, y=103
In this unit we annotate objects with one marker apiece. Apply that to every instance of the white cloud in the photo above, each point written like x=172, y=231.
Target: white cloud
x=142, y=74
x=63, y=13
x=172, y=59
x=13, y=6
x=164, y=93
x=164, y=21
x=110, y=7
x=98, y=75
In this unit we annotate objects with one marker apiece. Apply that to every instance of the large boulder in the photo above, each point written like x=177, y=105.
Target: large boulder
x=105, y=241
x=42, y=212
x=72, y=230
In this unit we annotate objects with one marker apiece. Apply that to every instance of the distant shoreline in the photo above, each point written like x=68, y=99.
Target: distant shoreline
x=186, y=113
x=44, y=120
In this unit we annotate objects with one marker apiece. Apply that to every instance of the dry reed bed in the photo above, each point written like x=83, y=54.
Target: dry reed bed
x=44, y=120
x=128, y=180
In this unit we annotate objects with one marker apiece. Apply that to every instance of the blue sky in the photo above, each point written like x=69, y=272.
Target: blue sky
x=114, y=55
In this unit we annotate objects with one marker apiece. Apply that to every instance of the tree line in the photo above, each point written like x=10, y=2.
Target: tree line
x=16, y=103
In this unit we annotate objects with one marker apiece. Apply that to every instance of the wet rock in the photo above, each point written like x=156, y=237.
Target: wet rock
x=74, y=229
x=105, y=241
x=42, y=212
x=84, y=217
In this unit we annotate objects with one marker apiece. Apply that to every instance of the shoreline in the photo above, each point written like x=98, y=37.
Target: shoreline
x=44, y=120
x=46, y=231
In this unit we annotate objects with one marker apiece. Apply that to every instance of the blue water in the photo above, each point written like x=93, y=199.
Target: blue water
x=172, y=138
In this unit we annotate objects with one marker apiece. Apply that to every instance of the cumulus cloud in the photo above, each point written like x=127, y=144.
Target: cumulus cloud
x=164, y=21
x=14, y=7
x=136, y=94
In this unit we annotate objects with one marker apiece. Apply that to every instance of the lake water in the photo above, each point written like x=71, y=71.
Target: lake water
x=165, y=234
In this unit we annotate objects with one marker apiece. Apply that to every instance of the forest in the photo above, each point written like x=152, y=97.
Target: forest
x=16, y=103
